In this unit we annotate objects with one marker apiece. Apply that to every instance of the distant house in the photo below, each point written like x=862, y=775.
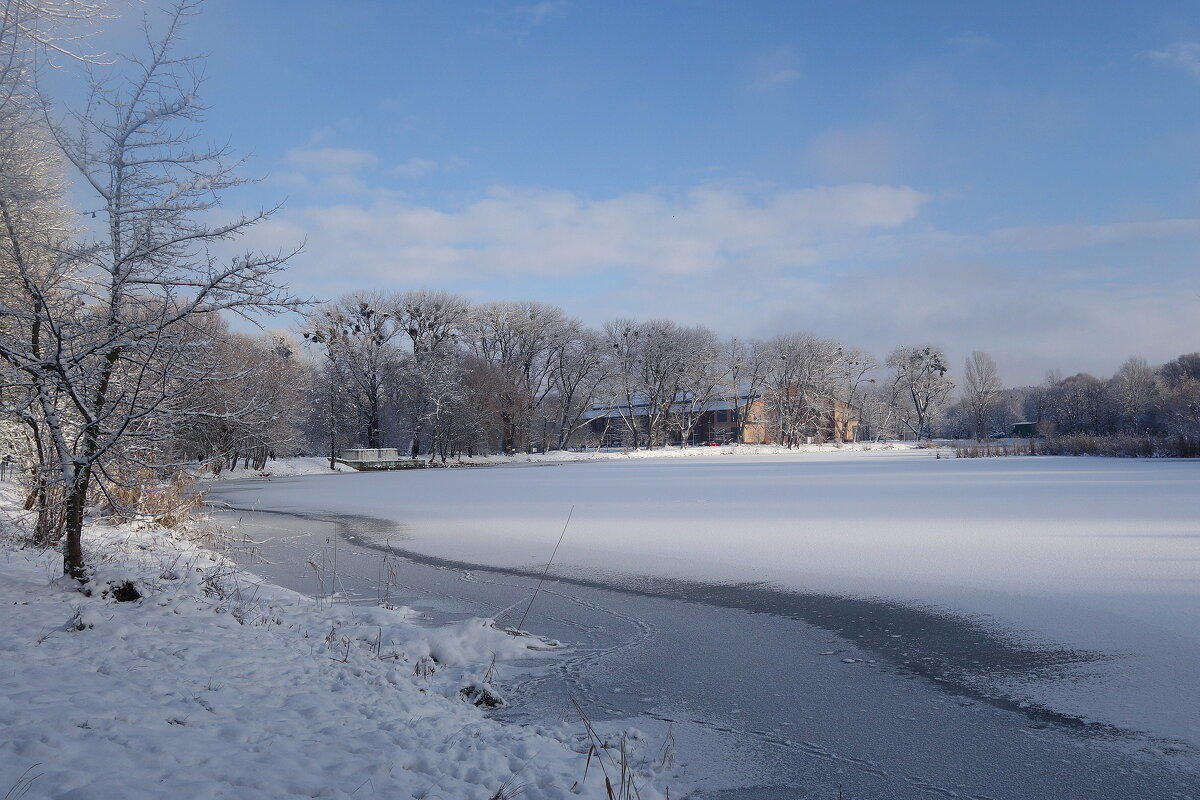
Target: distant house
x=845, y=421
x=718, y=421
x=1024, y=430
x=715, y=421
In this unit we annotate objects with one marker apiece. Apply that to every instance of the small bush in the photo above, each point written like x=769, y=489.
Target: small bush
x=168, y=502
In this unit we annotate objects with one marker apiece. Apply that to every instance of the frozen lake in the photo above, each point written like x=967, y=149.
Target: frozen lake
x=895, y=623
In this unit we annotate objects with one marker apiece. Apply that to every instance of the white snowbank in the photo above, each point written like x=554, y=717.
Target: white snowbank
x=734, y=450
x=215, y=684
x=280, y=467
x=319, y=465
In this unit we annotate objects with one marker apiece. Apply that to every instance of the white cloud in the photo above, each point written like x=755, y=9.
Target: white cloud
x=1030, y=322
x=855, y=262
x=773, y=68
x=414, y=168
x=330, y=159
x=513, y=232
x=1073, y=236
x=536, y=13
x=864, y=153
x=1180, y=54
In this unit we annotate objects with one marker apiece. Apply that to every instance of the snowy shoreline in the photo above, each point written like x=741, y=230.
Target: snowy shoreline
x=319, y=465
x=215, y=683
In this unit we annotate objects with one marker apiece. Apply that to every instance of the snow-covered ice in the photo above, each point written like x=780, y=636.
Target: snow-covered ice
x=1084, y=553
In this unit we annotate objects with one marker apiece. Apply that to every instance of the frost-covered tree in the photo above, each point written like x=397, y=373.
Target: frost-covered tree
x=521, y=340
x=33, y=278
x=434, y=322
x=803, y=382
x=577, y=371
x=1134, y=391
x=919, y=385
x=359, y=335
x=981, y=388
x=111, y=355
x=34, y=221
x=703, y=374
x=853, y=370
x=653, y=364
x=1181, y=395
x=250, y=411
x=746, y=371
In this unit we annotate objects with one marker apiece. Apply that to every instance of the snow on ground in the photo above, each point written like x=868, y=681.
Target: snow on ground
x=280, y=467
x=617, y=454
x=1088, y=552
x=216, y=684
x=319, y=465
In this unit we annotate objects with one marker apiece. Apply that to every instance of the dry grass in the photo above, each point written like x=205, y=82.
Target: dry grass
x=1087, y=445
x=1124, y=446
x=620, y=764
x=141, y=493
x=994, y=449
x=24, y=784
x=508, y=791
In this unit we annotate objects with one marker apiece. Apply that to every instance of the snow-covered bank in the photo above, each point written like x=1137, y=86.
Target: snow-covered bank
x=216, y=684
x=734, y=450
x=279, y=467
x=319, y=465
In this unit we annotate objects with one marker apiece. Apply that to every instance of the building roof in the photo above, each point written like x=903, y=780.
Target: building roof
x=682, y=403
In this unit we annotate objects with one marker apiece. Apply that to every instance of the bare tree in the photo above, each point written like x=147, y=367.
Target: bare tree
x=358, y=333
x=431, y=318
x=577, y=370
x=1185, y=367
x=622, y=391
x=521, y=340
x=746, y=372
x=1077, y=404
x=703, y=373
x=1181, y=395
x=853, y=368
x=435, y=322
x=880, y=411
x=650, y=363
x=99, y=362
x=919, y=385
x=251, y=408
x=1135, y=391
x=34, y=221
x=802, y=385
x=980, y=390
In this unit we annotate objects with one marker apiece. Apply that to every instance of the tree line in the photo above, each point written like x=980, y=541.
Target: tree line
x=1138, y=400
x=436, y=375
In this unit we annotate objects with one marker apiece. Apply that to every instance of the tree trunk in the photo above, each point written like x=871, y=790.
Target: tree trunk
x=75, y=503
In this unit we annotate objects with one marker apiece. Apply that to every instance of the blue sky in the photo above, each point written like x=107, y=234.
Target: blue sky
x=1022, y=178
